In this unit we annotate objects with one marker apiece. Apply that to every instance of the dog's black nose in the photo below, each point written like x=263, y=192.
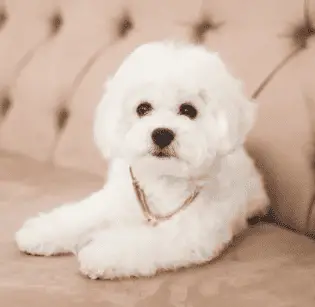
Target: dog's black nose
x=162, y=137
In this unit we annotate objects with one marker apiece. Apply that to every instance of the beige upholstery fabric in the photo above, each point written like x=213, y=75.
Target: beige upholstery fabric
x=54, y=58
x=267, y=266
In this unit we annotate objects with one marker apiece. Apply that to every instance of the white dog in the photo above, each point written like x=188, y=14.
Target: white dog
x=172, y=123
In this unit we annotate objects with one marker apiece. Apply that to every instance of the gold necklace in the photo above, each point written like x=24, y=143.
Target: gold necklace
x=152, y=218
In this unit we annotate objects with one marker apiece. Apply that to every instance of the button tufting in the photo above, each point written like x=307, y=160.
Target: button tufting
x=5, y=105
x=62, y=117
x=125, y=24
x=202, y=27
x=56, y=22
x=300, y=35
x=3, y=18
x=302, y=32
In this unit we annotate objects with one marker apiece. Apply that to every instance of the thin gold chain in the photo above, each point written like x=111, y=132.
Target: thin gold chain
x=148, y=214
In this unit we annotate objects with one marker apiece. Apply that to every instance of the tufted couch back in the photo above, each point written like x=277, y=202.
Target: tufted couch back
x=56, y=54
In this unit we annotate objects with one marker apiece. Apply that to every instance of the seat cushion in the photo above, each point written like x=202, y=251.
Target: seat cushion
x=267, y=266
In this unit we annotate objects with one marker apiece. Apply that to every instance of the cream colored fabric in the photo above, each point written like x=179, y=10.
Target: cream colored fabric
x=268, y=266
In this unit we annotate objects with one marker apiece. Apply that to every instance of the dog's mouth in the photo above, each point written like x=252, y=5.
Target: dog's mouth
x=163, y=153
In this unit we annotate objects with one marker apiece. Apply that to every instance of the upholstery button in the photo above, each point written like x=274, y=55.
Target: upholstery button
x=301, y=34
x=202, y=27
x=5, y=105
x=125, y=24
x=62, y=117
x=56, y=22
x=3, y=18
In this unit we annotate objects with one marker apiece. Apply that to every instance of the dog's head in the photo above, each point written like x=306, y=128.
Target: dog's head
x=172, y=108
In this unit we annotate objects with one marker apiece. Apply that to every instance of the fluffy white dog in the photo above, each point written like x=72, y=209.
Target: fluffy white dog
x=172, y=123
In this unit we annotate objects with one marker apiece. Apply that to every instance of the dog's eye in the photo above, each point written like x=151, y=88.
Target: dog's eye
x=144, y=108
x=188, y=110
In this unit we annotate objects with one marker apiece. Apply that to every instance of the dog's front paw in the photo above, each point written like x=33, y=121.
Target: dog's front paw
x=111, y=259
x=38, y=237
x=95, y=264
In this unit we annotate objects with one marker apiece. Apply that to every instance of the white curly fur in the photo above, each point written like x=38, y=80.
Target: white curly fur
x=107, y=230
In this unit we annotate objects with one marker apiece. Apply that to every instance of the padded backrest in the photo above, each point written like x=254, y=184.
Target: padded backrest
x=56, y=54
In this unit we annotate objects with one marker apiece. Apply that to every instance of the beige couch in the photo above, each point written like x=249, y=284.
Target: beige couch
x=54, y=58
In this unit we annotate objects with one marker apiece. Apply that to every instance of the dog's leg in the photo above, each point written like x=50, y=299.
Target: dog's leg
x=60, y=230
x=146, y=250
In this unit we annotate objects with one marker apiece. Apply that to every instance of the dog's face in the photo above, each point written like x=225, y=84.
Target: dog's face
x=172, y=109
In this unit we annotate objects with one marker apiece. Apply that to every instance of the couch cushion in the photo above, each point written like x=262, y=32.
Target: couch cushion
x=268, y=266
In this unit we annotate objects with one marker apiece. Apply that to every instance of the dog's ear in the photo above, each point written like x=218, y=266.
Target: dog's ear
x=236, y=119
x=106, y=121
x=234, y=112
